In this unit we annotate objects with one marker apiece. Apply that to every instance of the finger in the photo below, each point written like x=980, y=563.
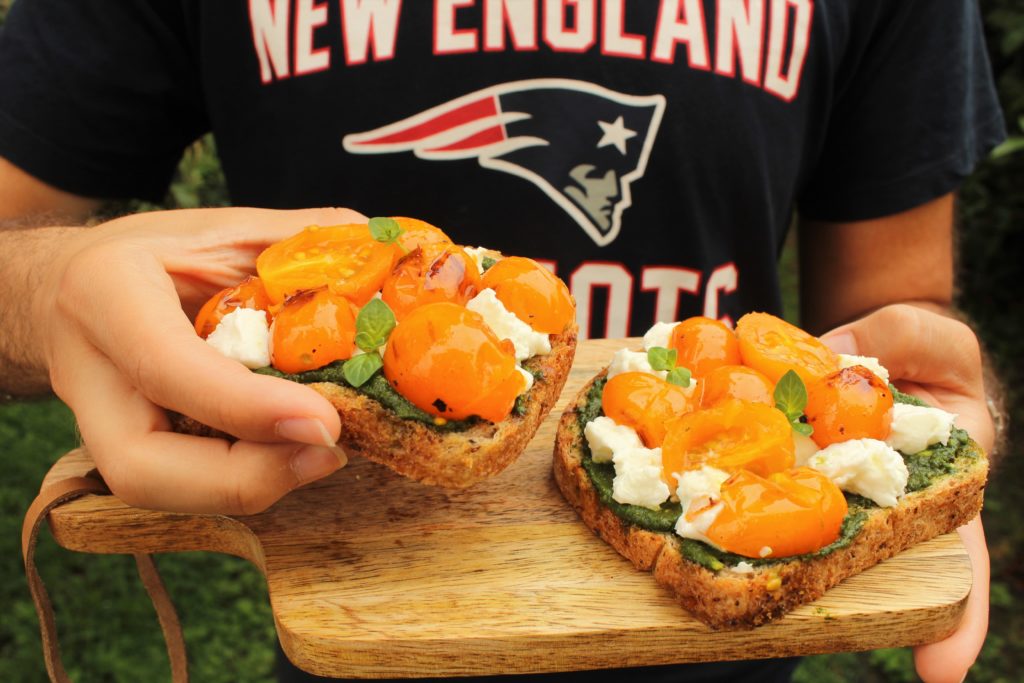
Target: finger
x=947, y=661
x=143, y=331
x=151, y=468
x=915, y=345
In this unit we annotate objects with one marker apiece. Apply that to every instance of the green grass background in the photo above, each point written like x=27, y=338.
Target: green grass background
x=107, y=626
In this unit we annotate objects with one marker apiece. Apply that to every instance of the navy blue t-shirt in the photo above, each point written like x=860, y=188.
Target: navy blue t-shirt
x=652, y=153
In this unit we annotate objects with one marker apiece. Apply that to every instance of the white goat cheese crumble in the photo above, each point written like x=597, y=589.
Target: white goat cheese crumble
x=243, y=335
x=506, y=325
x=625, y=360
x=915, y=428
x=872, y=364
x=659, y=335
x=638, y=478
x=701, y=488
x=867, y=467
x=605, y=437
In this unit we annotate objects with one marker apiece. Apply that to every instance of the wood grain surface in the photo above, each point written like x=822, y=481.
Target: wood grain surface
x=371, y=575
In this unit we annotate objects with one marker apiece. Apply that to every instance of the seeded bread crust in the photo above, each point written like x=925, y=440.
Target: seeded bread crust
x=727, y=599
x=416, y=450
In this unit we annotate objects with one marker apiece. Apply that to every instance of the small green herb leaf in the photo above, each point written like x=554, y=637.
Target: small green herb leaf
x=487, y=262
x=385, y=230
x=802, y=428
x=373, y=325
x=661, y=358
x=791, y=395
x=680, y=376
x=359, y=369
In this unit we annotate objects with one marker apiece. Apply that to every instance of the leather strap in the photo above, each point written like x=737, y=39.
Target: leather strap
x=50, y=497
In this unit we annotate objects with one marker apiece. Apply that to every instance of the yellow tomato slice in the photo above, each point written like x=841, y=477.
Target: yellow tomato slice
x=736, y=381
x=532, y=293
x=852, y=403
x=247, y=294
x=312, y=329
x=430, y=274
x=417, y=233
x=346, y=258
x=772, y=346
x=704, y=344
x=646, y=403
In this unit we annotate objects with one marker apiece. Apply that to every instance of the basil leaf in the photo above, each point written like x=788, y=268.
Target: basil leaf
x=385, y=230
x=359, y=369
x=803, y=428
x=661, y=358
x=679, y=376
x=487, y=262
x=791, y=395
x=373, y=325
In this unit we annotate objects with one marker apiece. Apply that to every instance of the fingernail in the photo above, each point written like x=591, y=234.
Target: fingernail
x=304, y=430
x=841, y=342
x=310, y=463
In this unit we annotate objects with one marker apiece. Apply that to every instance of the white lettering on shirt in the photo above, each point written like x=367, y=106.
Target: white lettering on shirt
x=614, y=40
x=618, y=281
x=308, y=17
x=447, y=39
x=739, y=31
x=363, y=20
x=520, y=18
x=786, y=86
x=561, y=38
x=681, y=21
x=668, y=282
x=269, y=20
x=723, y=279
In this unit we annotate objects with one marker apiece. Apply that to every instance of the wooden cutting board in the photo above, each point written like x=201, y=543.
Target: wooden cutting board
x=371, y=575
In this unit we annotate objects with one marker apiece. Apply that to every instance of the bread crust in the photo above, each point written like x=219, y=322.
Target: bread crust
x=416, y=450
x=727, y=599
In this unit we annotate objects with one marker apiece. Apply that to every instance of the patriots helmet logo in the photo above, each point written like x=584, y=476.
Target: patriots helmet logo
x=580, y=143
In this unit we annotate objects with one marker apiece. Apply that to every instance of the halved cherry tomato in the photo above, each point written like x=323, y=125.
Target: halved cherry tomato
x=850, y=404
x=790, y=513
x=645, y=403
x=344, y=257
x=736, y=381
x=447, y=361
x=773, y=346
x=249, y=293
x=533, y=293
x=731, y=435
x=417, y=233
x=313, y=328
x=704, y=344
x=428, y=274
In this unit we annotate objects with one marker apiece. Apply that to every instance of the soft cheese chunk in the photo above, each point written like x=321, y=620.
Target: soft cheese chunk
x=659, y=335
x=868, y=362
x=701, y=489
x=867, y=467
x=804, y=447
x=244, y=335
x=605, y=437
x=528, y=376
x=478, y=254
x=625, y=360
x=638, y=478
x=915, y=428
x=506, y=325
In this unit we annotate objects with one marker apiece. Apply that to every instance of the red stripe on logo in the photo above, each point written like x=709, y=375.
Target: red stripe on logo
x=488, y=136
x=467, y=113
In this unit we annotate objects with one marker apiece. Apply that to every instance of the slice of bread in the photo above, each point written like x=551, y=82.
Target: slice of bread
x=730, y=599
x=452, y=459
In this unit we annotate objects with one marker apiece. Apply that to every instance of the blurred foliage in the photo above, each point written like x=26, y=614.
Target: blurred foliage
x=109, y=631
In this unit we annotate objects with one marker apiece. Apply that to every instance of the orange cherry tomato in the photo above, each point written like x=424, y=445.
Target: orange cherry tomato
x=793, y=512
x=417, y=233
x=428, y=274
x=313, y=328
x=533, y=293
x=731, y=435
x=736, y=381
x=447, y=361
x=773, y=346
x=645, y=403
x=344, y=257
x=247, y=294
x=704, y=344
x=852, y=403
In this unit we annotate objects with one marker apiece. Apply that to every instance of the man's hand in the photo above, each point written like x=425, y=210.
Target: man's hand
x=938, y=359
x=110, y=320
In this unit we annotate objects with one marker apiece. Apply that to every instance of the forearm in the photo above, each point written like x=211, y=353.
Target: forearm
x=27, y=255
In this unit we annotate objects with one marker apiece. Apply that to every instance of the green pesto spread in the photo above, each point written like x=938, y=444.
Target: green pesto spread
x=924, y=467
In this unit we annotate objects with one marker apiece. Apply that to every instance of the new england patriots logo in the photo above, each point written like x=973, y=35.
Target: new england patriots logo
x=582, y=144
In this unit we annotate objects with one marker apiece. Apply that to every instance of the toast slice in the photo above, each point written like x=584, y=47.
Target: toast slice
x=727, y=598
x=451, y=459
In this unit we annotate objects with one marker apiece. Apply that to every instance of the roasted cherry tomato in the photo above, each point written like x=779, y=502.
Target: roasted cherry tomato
x=533, y=293
x=645, y=403
x=731, y=435
x=787, y=513
x=773, y=346
x=447, y=361
x=344, y=257
x=417, y=233
x=429, y=274
x=248, y=294
x=313, y=328
x=704, y=344
x=736, y=381
x=852, y=403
